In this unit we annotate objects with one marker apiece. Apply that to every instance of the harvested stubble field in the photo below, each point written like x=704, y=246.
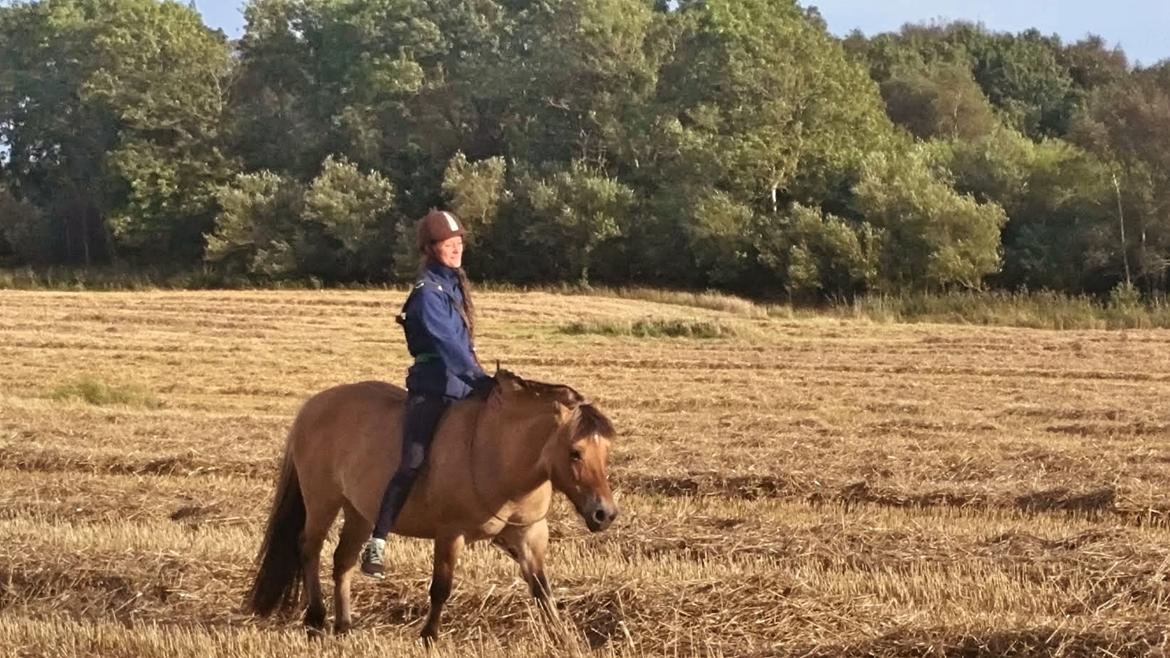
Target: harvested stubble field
x=806, y=487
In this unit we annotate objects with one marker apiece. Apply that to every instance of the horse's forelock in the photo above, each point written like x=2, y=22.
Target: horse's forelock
x=589, y=422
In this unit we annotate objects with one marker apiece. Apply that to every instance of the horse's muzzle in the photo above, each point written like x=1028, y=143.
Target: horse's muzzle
x=599, y=514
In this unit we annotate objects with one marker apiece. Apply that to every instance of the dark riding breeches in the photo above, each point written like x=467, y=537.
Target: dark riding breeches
x=423, y=411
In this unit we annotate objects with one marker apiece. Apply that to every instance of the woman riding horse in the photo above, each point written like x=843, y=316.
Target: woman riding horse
x=493, y=460
x=439, y=321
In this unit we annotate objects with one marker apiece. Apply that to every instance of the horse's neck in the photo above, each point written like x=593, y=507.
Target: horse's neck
x=509, y=463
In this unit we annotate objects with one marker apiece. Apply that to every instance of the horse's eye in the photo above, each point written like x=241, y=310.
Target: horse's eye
x=575, y=455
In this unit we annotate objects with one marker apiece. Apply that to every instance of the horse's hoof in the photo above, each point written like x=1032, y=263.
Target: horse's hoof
x=315, y=634
x=341, y=627
x=315, y=620
x=429, y=638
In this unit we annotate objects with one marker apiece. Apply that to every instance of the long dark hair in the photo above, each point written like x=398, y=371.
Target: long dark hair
x=468, y=310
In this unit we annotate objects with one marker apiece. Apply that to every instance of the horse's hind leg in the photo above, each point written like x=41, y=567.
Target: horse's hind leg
x=354, y=533
x=318, y=519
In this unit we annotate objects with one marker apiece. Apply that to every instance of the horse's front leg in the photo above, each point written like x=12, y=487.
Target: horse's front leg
x=528, y=546
x=447, y=549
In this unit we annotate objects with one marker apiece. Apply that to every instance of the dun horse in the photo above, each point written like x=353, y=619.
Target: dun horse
x=491, y=472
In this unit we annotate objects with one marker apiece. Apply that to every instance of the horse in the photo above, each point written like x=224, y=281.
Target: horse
x=490, y=475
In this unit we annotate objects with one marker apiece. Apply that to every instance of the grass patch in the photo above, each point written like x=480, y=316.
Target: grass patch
x=710, y=299
x=1037, y=310
x=94, y=391
x=649, y=328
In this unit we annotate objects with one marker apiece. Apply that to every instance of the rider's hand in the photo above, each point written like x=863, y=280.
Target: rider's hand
x=484, y=386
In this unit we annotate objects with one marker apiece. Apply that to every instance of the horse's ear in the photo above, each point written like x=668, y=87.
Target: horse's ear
x=507, y=381
x=568, y=397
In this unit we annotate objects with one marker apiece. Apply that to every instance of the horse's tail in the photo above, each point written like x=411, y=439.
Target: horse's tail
x=278, y=580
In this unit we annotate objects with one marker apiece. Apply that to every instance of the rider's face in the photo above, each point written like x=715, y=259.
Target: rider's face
x=450, y=251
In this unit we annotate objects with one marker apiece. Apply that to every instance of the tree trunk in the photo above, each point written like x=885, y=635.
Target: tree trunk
x=1121, y=223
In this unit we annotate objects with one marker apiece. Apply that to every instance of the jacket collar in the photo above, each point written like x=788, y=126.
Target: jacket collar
x=443, y=274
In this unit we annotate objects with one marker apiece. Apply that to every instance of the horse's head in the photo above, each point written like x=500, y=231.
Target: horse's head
x=576, y=453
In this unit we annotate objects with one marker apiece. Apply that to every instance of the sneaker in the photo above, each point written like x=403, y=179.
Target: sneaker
x=372, y=558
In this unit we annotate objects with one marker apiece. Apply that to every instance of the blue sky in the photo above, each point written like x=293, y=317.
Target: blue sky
x=1140, y=27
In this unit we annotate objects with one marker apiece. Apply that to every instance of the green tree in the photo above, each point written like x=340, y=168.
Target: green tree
x=394, y=86
x=56, y=140
x=1127, y=125
x=917, y=48
x=578, y=74
x=758, y=106
x=941, y=101
x=719, y=232
x=932, y=237
x=476, y=191
x=23, y=230
x=1061, y=232
x=348, y=222
x=818, y=254
x=1092, y=65
x=275, y=122
x=341, y=226
x=1028, y=76
x=755, y=95
x=573, y=212
x=255, y=230
x=161, y=74
x=1023, y=75
x=110, y=111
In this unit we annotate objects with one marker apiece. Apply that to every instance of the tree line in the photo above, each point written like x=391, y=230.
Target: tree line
x=733, y=144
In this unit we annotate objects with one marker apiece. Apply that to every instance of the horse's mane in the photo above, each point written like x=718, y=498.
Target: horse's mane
x=587, y=420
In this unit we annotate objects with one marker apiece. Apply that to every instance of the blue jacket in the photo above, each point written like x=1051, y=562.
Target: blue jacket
x=437, y=338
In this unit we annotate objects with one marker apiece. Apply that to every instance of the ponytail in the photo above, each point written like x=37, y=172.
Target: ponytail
x=468, y=310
